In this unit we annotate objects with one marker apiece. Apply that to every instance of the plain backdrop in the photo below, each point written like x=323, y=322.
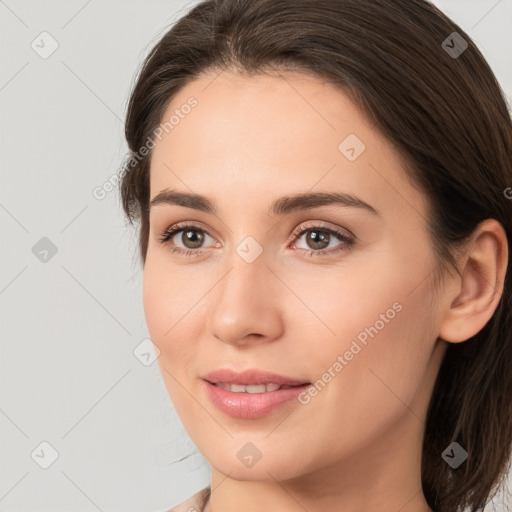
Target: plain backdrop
x=74, y=396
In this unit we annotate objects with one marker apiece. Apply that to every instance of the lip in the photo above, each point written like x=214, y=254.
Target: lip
x=251, y=405
x=251, y=376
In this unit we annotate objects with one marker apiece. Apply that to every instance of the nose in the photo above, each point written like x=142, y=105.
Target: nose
x=248, y=303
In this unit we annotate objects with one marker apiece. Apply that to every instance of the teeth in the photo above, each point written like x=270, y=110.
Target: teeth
x=255, y=388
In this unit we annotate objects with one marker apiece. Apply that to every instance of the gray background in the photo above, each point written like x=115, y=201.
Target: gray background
x=70, y=321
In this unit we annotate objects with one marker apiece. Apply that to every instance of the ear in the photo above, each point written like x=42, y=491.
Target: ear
x=475, y=296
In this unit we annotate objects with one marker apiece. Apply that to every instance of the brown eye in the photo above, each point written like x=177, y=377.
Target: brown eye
x=190, y=242
x=318, y=238
x=194, y=237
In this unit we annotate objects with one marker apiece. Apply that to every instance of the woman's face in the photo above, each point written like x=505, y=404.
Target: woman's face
x=268, y=284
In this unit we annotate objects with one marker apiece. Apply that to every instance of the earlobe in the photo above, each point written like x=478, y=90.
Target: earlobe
x=479, y=290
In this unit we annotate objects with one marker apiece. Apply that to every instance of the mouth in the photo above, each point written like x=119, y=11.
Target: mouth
x=251, y=394
x=252, y=401
x=251, y=380
x=254, y=388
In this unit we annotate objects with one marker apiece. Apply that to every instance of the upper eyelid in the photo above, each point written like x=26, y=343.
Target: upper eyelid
x=302, y=226
x=180, y=226
x=321, y=225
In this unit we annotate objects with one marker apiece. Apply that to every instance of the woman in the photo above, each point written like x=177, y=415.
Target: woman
x=324, y=223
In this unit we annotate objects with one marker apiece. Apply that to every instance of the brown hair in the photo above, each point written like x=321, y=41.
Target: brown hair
x=446, y=114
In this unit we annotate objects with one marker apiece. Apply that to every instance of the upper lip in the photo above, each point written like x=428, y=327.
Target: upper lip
x=250, y=377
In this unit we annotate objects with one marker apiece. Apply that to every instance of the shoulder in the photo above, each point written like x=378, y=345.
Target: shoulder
x=195, y=503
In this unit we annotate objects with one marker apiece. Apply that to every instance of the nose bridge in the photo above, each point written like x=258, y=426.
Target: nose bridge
x=247, y=262
x=246, y=279
x=245, y=301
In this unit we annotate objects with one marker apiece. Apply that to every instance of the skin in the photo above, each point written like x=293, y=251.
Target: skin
x=356, y=446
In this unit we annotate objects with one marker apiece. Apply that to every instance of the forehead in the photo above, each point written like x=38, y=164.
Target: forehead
x=247, y=136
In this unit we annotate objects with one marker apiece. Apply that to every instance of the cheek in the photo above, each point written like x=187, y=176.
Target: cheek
x=384, y=336
x=168, y=324
x=385, y=339
x=163, y=297
x=154, y=301
x=171, y=305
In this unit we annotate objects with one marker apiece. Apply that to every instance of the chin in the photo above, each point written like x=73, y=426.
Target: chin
x=271, y=465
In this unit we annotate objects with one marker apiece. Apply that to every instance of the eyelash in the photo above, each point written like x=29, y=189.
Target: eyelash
x=177, y=228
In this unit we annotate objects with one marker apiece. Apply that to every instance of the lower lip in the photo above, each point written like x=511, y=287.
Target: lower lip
x=251, y=405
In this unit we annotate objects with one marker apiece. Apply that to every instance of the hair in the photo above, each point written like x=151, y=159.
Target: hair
x=447, y=116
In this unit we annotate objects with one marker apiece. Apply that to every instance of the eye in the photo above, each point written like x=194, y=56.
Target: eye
x=192, y=237
x=319, y=238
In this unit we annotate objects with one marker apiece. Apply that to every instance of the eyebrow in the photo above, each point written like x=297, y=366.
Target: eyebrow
x=281, y=206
